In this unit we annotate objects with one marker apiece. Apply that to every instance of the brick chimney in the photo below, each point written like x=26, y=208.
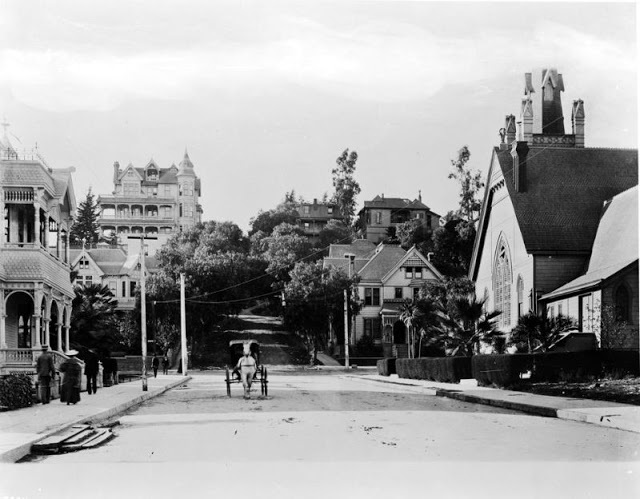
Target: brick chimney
x=519, y=152
x=577, y=122
x=116, y=172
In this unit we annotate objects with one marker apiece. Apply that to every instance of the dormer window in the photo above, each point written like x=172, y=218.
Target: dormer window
x=330, y=210
x=152, y=175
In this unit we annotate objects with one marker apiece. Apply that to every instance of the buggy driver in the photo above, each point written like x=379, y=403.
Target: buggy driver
x=247, y=368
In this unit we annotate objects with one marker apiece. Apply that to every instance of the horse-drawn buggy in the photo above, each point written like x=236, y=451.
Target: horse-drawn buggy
x=236, y=351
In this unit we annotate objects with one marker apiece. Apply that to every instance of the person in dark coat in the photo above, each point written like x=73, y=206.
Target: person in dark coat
x=72, y=376
x=91, y=368
x=165, y=365
x=155, y=363
x=46, y=372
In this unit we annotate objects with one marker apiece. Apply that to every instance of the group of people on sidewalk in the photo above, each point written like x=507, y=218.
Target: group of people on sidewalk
x=71, y=370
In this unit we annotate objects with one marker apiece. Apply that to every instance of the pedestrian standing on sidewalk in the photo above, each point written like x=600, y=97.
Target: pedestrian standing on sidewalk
x=165, y=364
x=46, y=372
x=155, y=363
x=247, y=367
x=91, y=368
x=72, y=376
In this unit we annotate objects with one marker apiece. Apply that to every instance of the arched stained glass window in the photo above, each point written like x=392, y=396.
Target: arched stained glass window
x=502, y=283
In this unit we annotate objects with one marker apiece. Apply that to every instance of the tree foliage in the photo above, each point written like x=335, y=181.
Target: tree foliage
x=415, y=233
x=286, y=212
x=453, y=247
x=282, y=249
x=335, y=232
x=85, y=227
x=346, y=188
x=93, y=316
x=314, y=296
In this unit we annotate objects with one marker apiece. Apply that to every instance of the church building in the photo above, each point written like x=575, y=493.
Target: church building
x=543, y=201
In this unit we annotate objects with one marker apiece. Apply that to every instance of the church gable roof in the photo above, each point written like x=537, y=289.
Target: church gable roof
x=565, y=188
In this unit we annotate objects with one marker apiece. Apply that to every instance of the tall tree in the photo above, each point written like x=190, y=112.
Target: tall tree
x=345, y=185
x=470, y=185
x=453, y=242
x=85, y=226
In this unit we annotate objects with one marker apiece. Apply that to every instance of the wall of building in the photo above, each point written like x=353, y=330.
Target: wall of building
x=555, y=271
x=502, y=223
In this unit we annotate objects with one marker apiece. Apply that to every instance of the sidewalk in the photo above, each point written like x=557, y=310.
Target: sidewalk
x=608, y=414
x=22, y=428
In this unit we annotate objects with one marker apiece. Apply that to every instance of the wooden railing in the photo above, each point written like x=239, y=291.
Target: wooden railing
x=26, y=357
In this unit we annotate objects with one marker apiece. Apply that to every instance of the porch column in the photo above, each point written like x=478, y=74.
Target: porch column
x=1, y=218
x=45, y=233
x=66, y=247
x=47, y=338
x=58, y=242
x=36, y=331
x=3, y=334
x=59, y=333
x=36, y=222
x=66, y=338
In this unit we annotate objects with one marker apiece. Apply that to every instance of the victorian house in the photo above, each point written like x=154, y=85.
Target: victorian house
x=152, y=202
x=544, y=201
x=114, y=268
x=379, y=217
x=388, y=276
x=38, y=204
x=313, y=217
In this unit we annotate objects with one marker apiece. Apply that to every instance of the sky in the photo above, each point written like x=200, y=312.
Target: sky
x=266, y=95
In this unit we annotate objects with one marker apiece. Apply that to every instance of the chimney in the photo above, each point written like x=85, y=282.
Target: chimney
x=116, y=171
x=577, y=122
x=508, y=132
x=420, y=196
x=519, y=153
x=315, y=201
x=382, y=195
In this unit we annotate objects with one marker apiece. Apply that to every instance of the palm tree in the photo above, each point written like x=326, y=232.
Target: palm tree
x=411, y=315
x=93, y=320
x=537, y=331
x=465, y=324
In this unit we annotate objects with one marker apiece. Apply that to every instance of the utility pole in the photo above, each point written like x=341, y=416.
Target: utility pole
x=155, y=328
x=183, y=327
x=143, y=307
x=143, y=314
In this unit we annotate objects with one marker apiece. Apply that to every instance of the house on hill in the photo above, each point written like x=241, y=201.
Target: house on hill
x=611, y=280
x=38, y=203
x=153, y=201
x=114, y=268
x=389, y=275
x=379, y=217
x=543, y=202
x=313, y=217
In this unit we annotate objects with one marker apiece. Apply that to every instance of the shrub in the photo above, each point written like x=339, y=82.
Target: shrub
x=386, y=366
x=16, y=391
x=442, y=369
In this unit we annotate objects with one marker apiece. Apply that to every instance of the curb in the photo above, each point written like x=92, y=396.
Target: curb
x=17, y=453
x=538, y=410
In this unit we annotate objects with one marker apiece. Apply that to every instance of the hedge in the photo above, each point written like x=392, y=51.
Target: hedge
x=442, y=369
x=507, y=370
x=16, y=391
x=386, y=366
x=620, y=362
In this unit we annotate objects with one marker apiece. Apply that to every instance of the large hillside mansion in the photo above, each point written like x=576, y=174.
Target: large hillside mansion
x=151, y=201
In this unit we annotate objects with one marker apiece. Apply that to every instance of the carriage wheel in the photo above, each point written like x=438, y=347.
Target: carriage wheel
x=228, y=380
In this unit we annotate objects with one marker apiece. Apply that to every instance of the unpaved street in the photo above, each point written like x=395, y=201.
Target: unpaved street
x=330, y=417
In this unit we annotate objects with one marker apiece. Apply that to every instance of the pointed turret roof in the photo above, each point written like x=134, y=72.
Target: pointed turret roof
x=185, y=165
